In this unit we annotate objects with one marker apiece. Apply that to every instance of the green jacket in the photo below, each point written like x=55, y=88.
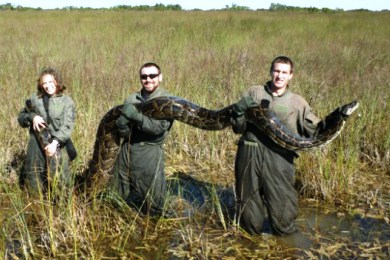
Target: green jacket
x=291, y=109
x=147, y=130
x=61, y=110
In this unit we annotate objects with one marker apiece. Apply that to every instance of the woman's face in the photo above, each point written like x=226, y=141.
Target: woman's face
x=49, y=84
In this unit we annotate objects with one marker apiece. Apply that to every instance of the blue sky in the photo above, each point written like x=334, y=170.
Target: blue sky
x=374, y=5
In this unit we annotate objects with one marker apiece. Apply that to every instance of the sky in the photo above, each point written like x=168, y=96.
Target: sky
x=374, y=5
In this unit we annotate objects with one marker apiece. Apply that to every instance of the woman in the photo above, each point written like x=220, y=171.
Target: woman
x=48, y=111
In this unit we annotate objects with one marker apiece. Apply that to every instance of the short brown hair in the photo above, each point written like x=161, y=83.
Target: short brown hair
x=150, y=64
x=284, y=60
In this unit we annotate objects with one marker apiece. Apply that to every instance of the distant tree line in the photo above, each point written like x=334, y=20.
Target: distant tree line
x=162, y=7
x=280, y=7
x=156, y=7
x=11, y=7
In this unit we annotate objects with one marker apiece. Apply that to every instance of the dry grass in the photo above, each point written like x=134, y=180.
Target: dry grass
x=209, y=58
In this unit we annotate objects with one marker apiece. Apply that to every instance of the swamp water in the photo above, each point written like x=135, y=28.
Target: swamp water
x=323, y=233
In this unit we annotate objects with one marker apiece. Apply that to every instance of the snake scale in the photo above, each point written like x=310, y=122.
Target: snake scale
x=107, y=140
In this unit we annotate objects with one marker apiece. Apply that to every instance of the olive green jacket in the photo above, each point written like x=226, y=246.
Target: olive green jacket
x=291, y=109
x=61, y=110
x=146, y=129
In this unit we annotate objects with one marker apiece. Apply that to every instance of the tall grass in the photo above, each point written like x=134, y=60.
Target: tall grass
x=208, y=58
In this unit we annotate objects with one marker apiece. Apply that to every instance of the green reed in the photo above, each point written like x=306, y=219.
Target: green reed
x=209, y=58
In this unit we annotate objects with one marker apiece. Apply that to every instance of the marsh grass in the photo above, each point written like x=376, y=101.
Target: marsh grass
x=208, y=58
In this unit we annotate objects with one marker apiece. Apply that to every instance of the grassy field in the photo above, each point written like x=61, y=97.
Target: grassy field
x=209, y=58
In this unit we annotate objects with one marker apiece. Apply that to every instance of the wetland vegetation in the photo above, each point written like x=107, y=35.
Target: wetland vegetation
x=208, y=58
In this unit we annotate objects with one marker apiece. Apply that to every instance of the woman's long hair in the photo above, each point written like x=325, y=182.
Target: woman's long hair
x=57, y=77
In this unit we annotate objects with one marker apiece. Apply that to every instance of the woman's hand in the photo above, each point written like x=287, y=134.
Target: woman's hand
x=51, y=148
x=39, y=123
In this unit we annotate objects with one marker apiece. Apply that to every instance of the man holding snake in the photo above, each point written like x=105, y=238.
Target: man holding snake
x=265, y=171
x=138, y=173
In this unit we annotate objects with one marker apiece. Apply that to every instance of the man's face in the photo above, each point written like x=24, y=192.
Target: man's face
x=150, y=79
x=281, y=75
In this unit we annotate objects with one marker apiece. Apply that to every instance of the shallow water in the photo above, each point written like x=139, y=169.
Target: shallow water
x=317, y=226
x=323, y=233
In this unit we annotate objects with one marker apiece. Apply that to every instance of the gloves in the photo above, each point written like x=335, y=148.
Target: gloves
x=238, y=120
x=123, y=126
x=238, y=124
x=131, y=113
x=245, y=103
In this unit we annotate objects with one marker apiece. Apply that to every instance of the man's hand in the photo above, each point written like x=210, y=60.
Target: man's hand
x=245, y=103
x=38, y=123
x=131, y=113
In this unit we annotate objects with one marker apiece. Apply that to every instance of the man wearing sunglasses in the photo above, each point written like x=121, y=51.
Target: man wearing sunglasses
x=138, y=174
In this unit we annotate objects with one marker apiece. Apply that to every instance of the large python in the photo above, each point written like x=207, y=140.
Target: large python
x=107, y=140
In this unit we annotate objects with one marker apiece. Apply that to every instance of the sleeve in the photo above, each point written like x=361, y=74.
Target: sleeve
x=315, y=126
x=310, y=123
x=27, y=114
x=237, y=119
x=153, y=126
x=329, y=121
x=65, y=129
x=142, y=123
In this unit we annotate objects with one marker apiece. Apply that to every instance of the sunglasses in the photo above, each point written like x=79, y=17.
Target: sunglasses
x=151, y=76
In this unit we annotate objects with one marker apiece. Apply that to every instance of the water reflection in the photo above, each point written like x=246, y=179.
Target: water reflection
x=316, y=225
x=200, y=195
x=355, y=228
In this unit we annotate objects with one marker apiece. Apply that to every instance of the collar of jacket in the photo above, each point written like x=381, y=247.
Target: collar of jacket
x=157, y=93
x=40, y=95
x=269, y=91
